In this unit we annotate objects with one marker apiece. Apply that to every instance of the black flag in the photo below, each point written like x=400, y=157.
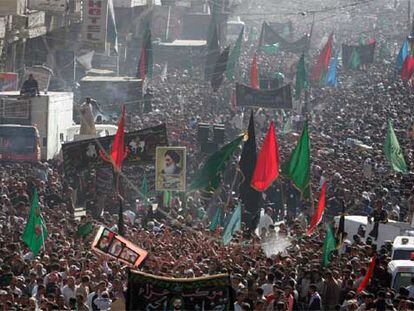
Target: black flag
x=249, y=197
x=213, y=53
x=270, y=36
x=219, y=69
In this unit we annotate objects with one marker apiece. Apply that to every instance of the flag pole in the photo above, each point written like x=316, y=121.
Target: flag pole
x=236, y=173
x=120, y=201
x=41, y=226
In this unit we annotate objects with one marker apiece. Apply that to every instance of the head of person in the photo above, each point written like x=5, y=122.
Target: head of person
x=171, y=161
x=31, y=77
x=312, y=289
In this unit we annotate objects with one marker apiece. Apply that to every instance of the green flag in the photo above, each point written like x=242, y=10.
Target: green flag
x=166, y=198
x=252, y=35
x=144, y=190
x=269, y=48
x=234, y=57
x=216, y=221
x=209, y=176
x=393, y=152
x=329, y=245
x=298, y=167
x=301, y=77
x=84, y=230
x=233, y=225
x=355, y=59
x=35, y=232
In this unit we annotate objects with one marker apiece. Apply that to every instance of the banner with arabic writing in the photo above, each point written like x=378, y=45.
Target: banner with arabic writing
x=149, y=292
x=83, y=155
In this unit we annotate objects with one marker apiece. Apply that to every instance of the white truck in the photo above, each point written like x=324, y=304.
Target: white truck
x=386, y=232
x=51, y=114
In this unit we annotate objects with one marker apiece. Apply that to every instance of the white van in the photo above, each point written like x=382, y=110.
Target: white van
x=401, y=271
x=402, y=248
x=386, y=232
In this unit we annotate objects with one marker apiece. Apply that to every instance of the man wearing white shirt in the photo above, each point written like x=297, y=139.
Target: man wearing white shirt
x=268, y=286
x=68, y=291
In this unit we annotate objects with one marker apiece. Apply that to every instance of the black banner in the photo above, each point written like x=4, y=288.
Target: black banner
x=280, y=98
x=285, y=28
x=80, y=156
x=149, y=292
x=366, y=53
x=270, y=36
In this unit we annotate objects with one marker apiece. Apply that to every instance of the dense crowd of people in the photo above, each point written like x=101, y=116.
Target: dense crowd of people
x=347, y=129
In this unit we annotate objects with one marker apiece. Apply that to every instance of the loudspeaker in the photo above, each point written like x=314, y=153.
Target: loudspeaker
x=210, y=136
x=219, y=134
x=203, y=132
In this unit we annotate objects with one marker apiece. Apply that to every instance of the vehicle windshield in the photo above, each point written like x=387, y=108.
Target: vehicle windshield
x=402, y=279
x=402, y=254
x=20, y=140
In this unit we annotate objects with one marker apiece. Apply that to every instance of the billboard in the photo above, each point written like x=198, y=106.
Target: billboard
x=95, y=13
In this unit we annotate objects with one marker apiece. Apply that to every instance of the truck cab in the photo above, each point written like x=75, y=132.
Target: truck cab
x=401, y=271
x=402, y=248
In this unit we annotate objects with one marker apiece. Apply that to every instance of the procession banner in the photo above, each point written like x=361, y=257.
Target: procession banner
x=115, y=246
x=270, y=36
x=149, y=292
x=79, y=156
x=95, y=13
x=170, y=168
x=283, y=28
x=366, y=53
x=8, y=81
x=280, y=98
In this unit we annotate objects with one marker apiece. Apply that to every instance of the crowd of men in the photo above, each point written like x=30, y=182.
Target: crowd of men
x=347, y=130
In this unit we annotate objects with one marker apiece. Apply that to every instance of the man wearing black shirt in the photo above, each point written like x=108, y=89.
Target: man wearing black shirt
x=30, y=87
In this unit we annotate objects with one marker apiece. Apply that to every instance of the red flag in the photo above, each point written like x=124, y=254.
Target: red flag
x=408, y=68
x=322, y=63
x=254, y=74
x=118, y=150
x=267, y=165
x=368, y=275
x=317, y=217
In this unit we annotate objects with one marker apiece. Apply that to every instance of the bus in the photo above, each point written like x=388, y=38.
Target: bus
x=19, y=143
